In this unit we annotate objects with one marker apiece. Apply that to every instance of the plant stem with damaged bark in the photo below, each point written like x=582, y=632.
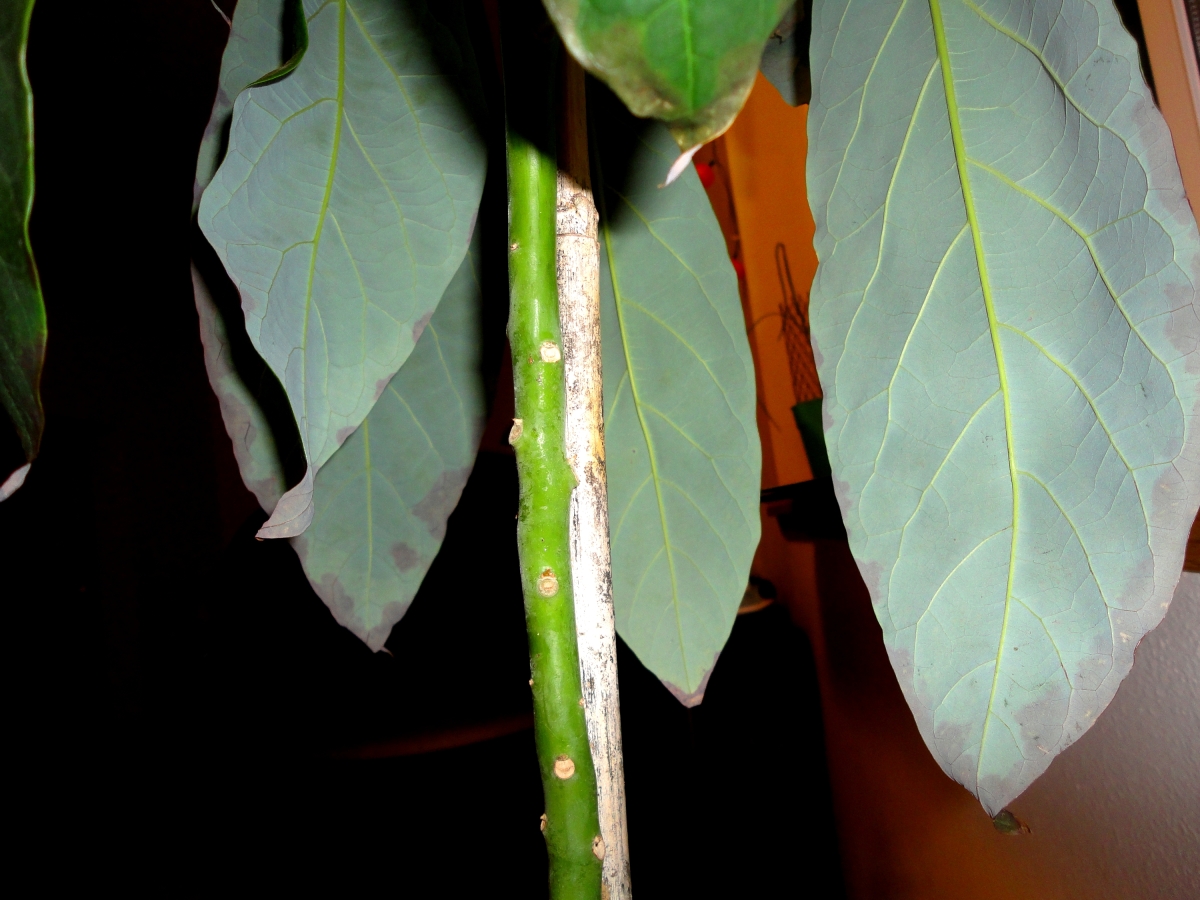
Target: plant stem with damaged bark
x=591, y=569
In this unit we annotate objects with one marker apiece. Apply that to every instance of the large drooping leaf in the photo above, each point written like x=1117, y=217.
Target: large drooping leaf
x=1006, y=331
x=366, y=551
x=343, y=207
x=22, y=315
x=690, y=63
x=681, y=439
x=382, y=500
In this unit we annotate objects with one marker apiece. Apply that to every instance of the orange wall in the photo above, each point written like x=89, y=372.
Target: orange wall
x=766, y=148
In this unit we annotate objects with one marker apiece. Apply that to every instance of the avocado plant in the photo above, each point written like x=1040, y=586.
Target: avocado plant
x=1004, y=320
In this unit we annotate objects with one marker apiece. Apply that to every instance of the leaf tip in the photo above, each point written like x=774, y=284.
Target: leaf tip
x=680, y=164
x=1006, y=822
x=293, y=513
x=696, y=697
x=14, y=482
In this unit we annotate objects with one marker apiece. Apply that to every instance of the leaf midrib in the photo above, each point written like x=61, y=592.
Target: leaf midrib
x=689, y=51
x=960, y=159
x=340, y=100
x=651, y=456
x=654, y=476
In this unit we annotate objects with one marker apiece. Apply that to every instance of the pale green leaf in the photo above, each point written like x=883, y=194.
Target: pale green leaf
x=690, y=63
x=382, y=501
x=257, y=45
x=343, y=208
x=367, y=548
x=294, y=45
x=682, y=448
x=1006, y=329
x=22, y=315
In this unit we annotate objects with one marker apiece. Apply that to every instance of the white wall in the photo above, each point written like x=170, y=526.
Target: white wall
x=1119, y=811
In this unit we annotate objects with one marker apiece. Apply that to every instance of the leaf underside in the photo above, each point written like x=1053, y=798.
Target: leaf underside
x=22, y=315
x=343, y=207
x=381, y=502
x=681, y=440
x=1005, y=322
x=256, y=46
x=690, y=63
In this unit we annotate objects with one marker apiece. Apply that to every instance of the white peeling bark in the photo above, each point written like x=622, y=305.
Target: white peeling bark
x=579, y=317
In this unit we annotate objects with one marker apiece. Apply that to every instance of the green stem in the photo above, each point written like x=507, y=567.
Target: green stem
x=571, y=825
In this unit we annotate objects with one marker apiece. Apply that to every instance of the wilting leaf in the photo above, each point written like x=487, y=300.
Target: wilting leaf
x=343, y=208
x=681, y=440
x=383, y=499
x=1006, y=327
x=22, y=315
x=690, y=63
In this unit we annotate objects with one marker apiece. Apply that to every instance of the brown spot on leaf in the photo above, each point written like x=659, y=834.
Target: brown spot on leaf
x=419, y=326
x=405, y=557
x=437, y=505
x=696, y=697
x=331, y=590
x=342, y=605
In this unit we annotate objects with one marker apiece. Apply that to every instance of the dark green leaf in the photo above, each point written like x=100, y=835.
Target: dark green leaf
x=690, y=63
x=22, y=315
